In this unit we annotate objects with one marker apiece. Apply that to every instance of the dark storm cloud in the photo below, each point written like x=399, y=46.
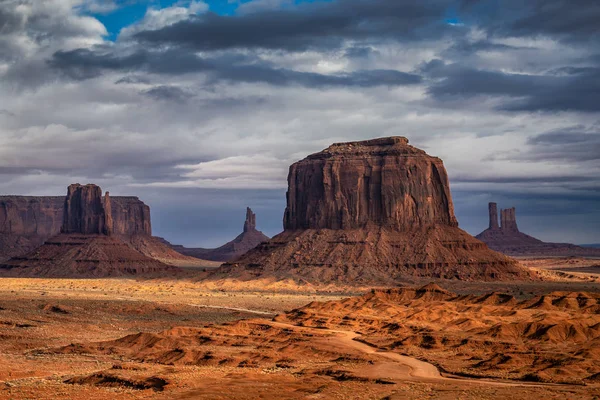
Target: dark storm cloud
x=10, y=22
x=573, y=144
x=570, y=20
x=575, y=89
x=309, y=26
x=133, y=79
x=168, y=93
x=83, y=64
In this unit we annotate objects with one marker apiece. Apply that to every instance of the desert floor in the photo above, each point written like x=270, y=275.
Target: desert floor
x=41, y=318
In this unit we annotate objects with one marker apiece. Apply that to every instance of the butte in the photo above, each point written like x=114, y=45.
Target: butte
x=374, y=212
x=86, y=246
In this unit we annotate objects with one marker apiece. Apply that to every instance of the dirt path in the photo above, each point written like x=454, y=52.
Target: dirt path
x=418, y=370
x=246, y=310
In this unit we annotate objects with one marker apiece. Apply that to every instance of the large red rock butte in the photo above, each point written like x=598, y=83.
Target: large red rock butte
x=244, y=242
x=86, y=246
x=374, y=211
x=508, y=239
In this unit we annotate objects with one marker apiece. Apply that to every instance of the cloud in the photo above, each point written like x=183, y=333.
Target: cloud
x=576, y=144
x=575, y=89
x=168, y=93
x=309, y=26
x=83, y=64
x=157, y=18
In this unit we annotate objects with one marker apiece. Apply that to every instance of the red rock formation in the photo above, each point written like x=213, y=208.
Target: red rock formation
x=250, y=223
x=493, y=210
x=509, y=240
x=84, y=212
x=27, y=221
x=509, y=220
x=85, y=256
x=244, y=242
x=108, y=224
x=131, y=216
x=85, y=246
x=381, y=182
x=372, y=212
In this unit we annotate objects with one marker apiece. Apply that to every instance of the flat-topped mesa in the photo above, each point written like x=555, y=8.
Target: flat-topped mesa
x=250, y=223
x=380, y=182
x=509, y=220
x=84, y=211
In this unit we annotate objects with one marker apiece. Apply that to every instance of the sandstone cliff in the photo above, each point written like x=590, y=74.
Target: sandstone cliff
x=84, y=211
x=372, y=212
x=381, y=182
x=506, y=238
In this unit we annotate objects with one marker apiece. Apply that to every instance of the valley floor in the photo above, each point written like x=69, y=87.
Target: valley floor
x=163, y=339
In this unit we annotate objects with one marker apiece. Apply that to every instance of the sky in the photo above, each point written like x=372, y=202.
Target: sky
x=199, y=107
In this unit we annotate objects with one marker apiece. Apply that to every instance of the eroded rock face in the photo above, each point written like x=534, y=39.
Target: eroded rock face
x=508, y=218
x=131, y=216
x=84, y=211
x=43, y=215
x=29, y=215
x=250, y=223
x=373, y=212
x=493, y=211
x=381, y=182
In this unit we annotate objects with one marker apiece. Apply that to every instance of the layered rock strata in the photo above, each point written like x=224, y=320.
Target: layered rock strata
x=375, y=211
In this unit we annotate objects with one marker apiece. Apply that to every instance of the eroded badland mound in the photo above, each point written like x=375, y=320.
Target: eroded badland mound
x=548, y=338
x=371, y=212
x=372, y=346
x=508, y=239
x=244, y=242
x=86, y=246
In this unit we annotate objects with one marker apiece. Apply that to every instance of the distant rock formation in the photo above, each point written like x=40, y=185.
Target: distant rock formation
x=371, y=212
x=507, y=238
x=247, y=240
x=86, y=246
x=27, y=221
